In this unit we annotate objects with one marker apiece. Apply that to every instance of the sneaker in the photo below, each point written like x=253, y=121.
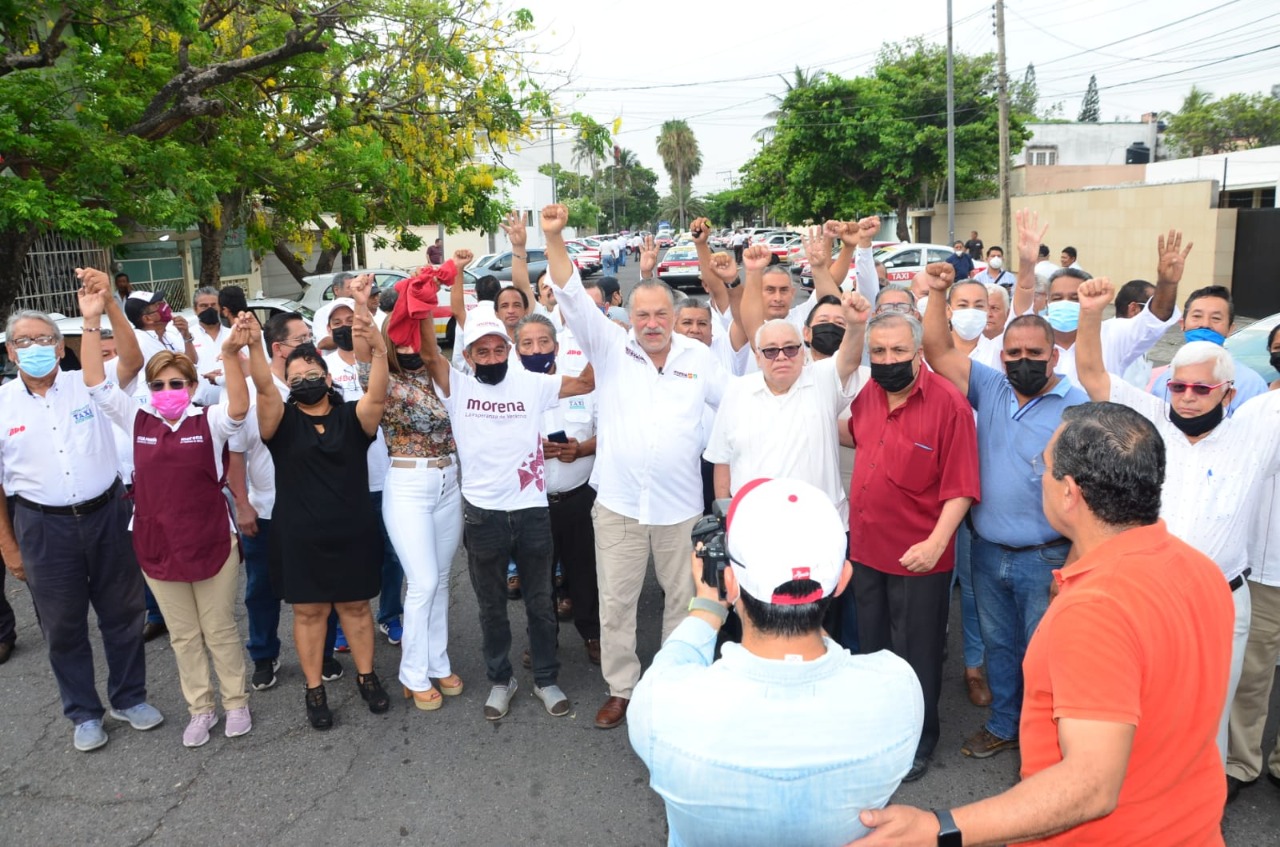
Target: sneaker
x=340, y=643
x=239, y=722
x=984, y=744
x=553, y=700
x=513, y=588
x=90, y=736
x=499, y=700
x=331, y=669
x=197, y=732
x=393, y=630
x=142, y=716
x=264, y=676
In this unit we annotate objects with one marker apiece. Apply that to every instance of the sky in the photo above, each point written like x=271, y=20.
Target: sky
x=716, y=64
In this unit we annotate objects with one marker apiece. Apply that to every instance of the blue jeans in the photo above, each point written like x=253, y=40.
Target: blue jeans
x=1012, y=594
x=262, y=606
x=390, y=606
x=963, y=574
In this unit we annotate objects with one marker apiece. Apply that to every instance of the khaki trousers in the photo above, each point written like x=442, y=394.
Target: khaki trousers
x=202, y=625
x=1253, y=695
x=623, y=546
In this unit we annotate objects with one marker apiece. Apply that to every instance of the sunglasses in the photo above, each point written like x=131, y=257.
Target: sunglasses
x=173, y=385
x=1198, y=387
x=790, y=351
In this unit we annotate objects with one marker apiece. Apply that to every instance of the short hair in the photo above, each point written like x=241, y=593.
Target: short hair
x=588, y=284
x=340, y=279
x=32, y=315
x=824, y=300
x=488, y=288
x=1271, y=336
x=911, y=297
x=1070, y=251
x=957, y=241
x=650, y=285
x=1044, y=251
x=169, y=359
x=609, y=286
x=205, y=291
x=690, y=303
x=995, y=289
x=524, y=298
x=1133, y=291
x=1213, y=291
x=231, y=298
x=387, y=299
x=1033, y=321
x=960, y=282
x=540, y=320
x=995, y=248
x=307, y=353
x=776, y=322
x=1117, y=458
x=778, y=269
x=784, y=619
x=1199, y=352
x=277, y=329
x=1070, y=273
x=891, y=319
x=122, y=274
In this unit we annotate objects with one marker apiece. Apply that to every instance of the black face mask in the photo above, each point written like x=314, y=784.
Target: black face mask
x=826, y=338
x=1275, y=361
x=342, y=338
x=309, y=391
x=1027, y=376
x=491, y=374
x=893, y=378
x=208, y=317
x=1198, y=425
x=409, y=361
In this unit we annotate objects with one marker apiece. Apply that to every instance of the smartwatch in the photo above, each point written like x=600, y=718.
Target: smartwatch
x=948, y=834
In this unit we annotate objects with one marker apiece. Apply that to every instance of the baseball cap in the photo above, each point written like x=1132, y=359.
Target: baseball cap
x=320, y=323
x=482, y=321
x=780, y=530
x=138, y=302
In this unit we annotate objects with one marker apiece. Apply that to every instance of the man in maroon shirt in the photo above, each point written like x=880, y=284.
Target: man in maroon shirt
x=915, y=478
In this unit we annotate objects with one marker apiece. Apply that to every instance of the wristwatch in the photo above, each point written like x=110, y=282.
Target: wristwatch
x=702, y=604
x=948, y=834
x=736, y=282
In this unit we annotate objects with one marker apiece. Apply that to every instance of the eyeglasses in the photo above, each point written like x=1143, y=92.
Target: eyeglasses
x=301, y=378
x=900, y=308
x=298, y=342
x=1038, y=467
x=1198, y=387
x=42, y=340
x=790, y=351
x=173, y=384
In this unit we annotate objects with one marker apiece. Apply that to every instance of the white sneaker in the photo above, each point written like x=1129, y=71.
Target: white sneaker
x=553, y=700
x=499, y=700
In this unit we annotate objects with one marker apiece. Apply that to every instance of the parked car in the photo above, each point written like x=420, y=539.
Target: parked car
x=501, y=266
x=587, y=259
x=781, y=244
x=317, y=289
x=903, y=261
x=679, y=267
x=665, y=239
x=1249, y=345
x=800, y=264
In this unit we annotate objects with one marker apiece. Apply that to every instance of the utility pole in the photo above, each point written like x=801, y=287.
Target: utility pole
x=1002, y=81
x=552, y=126
x=951, y=135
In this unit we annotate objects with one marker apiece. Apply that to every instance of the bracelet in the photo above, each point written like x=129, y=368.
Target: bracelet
x=91, y=329
x=379, y=355
x=525, y=257
x=702, y=604
x=188, y=339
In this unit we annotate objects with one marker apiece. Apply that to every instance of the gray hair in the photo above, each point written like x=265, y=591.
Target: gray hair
x=690, y=303
x=998, y=291
x=777, y=322
x=890, y=319
x=1070, y=273
x=1199, y=352
x=540, y=320
x=31, y=315
x=205, y=291
x=651, y=285
x=911, y=297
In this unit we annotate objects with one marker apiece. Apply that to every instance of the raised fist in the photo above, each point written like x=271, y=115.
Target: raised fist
x=1095, y=294
x=701, y=230
x=555, y=218
x=724, y=267
x=463, y=257
x=757, y=257
x=939, y=275
x=856, y=308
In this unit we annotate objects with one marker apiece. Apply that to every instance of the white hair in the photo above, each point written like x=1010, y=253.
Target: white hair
x=777, y=322
x=1199, y=352
x=997, y=290
x=31, y=315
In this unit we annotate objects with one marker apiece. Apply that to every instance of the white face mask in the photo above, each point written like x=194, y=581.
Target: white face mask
x=996, y=262
x=959, y=251
x=968, y=323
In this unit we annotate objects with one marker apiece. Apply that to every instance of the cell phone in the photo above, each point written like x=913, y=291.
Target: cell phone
x=558, y=437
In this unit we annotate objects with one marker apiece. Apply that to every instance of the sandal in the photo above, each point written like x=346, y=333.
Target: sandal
x=373, y=693
x=427, y=701
x=318, y=708
x=451, y=685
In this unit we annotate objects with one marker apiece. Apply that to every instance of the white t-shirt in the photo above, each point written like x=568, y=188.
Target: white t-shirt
x=498, y=429
x=346, y=378
x=576, y=417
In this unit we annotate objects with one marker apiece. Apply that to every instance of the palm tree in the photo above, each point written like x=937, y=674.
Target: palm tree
x=682, y=159
x=801, y=78
x=620, y=175
x=585, y=152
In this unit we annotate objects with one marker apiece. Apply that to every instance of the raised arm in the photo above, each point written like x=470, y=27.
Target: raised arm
x=725, y=271
x=244, y=332
x=458, y=300
x=583, y=383
x=817, y=248
x=1094, y=294
x=939, y=347
x=711, y=283
x=864, y=269
x=1030, y=234
x=92, y=305
x=519, y=238
x=846, y=231
x=128, y=354
x=373, y=402
x=750, y=312
x=648, y=257
x=559, y=266
x=1169, y=267
x=857, y=311
x=270, y=404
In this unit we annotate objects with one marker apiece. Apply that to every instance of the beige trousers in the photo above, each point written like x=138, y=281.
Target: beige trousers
x=623, y=547
x=202, y=625
x=1253, y=695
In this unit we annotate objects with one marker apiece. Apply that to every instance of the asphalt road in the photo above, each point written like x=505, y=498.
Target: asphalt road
x=406, y=777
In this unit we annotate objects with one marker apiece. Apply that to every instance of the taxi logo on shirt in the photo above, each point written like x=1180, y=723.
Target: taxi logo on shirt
x=684, y=375
x=84, y=413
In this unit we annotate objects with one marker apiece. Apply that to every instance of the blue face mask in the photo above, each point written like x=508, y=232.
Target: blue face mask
x=1203, y=334
x=539, y=363
x=1063, y=315
x=37, y=360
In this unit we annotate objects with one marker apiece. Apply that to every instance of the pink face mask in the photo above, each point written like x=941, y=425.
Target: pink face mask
x=171, y=403
x=164, y=312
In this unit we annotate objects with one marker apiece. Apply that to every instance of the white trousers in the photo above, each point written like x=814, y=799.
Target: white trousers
x=422, y=508
x=1239, y=641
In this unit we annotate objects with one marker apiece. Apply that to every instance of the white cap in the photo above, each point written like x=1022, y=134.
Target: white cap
x=482, y=321
x=780, y=530
x=320, y=323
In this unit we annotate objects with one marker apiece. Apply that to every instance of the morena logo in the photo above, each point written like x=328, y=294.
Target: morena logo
x=474, y=405
x=18, y=429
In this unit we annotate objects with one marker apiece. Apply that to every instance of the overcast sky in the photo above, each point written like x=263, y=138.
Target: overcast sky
x=715, y=64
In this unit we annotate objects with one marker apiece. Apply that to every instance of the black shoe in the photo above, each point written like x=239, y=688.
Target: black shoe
x=373, y=693
x=6, y=649
x=1234, y=785
x=513, y=587
x=151, y=630
x=1273, y=779
x=331, y=669
x=264, y=673
x=318, y=708
x=919, y=766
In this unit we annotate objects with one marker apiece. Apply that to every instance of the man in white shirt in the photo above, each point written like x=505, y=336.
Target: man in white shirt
x=207, y=340
x=1043, y=267
x=995, y=271
x=157, y=327
x=653, y=385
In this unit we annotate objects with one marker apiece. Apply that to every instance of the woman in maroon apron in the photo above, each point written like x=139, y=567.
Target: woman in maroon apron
x=183, y=532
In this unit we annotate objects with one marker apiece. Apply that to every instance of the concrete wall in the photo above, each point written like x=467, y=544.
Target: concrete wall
x=1115, y=229
x=1048, y=180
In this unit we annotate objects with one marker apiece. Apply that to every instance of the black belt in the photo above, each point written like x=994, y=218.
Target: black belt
x=79, y=510
x=1239, y=579
x=565, y=495
x=1057, y=542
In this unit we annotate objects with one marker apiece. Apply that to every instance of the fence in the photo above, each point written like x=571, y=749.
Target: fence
x=48, y=273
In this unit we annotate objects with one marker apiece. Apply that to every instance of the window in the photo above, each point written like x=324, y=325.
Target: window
x=938, y=255
x=1042, y=156
x=907, y=258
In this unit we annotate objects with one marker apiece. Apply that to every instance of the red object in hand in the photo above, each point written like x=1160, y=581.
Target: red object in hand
x=417, y=301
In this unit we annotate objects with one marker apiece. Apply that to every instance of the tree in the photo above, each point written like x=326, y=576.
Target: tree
x=800, y=78
x=583, y=214
x=1026, y=94
x=725, y=207
x=682, y=159
x=1236, y=122
x=1090, y=110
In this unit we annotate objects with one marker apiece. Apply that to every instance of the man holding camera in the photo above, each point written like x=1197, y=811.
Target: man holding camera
x=710, y=732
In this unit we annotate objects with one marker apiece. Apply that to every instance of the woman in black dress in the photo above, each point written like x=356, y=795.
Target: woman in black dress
x=326, y=547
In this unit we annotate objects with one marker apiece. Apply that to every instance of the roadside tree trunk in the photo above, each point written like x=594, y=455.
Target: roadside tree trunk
x=14, y=246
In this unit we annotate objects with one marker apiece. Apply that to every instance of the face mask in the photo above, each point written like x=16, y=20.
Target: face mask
x=969, y=323
x=1198, y=425
x=959, y=251
x=164, y=313
x=826, y=338
x=1063, y=315
x=1275, y=361
x=1028, y=376
x=996, y=262
x=171, y=403
x=1203, y=334
x=893, y=378
x=491, y=374
x=37, y=360
x=208, y=317
x=342, y=338
x=309, y=391
x=409, y=361
x=539, y=363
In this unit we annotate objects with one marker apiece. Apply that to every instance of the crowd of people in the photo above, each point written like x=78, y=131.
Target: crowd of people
x=845, y=464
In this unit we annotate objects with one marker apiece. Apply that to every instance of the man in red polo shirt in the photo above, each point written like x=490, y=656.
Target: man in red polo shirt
x=1125, y=676
x=914, y=479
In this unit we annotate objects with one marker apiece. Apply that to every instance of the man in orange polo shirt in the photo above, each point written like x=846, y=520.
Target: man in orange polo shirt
x=1126, y=675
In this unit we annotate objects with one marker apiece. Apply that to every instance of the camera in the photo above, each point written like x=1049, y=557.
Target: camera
x=709, y=545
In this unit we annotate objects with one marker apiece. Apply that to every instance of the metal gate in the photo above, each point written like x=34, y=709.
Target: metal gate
x=48, y=273
x=1255, y=273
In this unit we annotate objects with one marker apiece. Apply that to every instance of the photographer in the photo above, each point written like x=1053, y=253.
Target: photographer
x=709, y=732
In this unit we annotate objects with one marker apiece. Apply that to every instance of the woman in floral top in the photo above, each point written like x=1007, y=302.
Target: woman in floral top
x=422, y=507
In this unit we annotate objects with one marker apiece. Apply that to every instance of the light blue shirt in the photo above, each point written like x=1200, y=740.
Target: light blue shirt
x=1249, y=384
x=1009, y=438
x=759, y=752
